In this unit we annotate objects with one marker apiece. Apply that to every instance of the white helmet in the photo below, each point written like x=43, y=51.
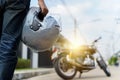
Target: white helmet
x=39, y=36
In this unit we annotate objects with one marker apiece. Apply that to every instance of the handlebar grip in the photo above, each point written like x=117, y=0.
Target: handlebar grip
x=97, y=39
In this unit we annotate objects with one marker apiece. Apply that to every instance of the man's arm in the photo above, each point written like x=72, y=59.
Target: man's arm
x=43, y=7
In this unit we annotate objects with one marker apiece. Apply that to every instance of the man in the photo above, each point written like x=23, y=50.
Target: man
x=12, y=13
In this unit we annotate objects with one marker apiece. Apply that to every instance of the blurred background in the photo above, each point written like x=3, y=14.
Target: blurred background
x=83, y=21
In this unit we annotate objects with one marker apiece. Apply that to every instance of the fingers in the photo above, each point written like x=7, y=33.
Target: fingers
x=44, y=11
x=41, y=16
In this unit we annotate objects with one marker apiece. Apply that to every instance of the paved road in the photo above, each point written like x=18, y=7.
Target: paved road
x=96, y=74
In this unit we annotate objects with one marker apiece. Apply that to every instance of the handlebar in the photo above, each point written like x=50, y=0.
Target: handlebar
x=97, y=40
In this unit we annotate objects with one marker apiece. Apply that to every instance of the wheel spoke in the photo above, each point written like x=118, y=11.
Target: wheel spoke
x=65, y=69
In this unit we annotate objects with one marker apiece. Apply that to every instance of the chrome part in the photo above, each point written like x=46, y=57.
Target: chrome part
x=81, y=66
x=54, y=55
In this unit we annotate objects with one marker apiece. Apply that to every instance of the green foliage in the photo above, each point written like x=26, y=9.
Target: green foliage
x=23, y=63
x=113, y=60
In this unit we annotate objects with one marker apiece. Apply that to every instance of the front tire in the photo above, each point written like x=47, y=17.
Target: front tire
x=107, y=72
x=104, y=67
x=62, y=67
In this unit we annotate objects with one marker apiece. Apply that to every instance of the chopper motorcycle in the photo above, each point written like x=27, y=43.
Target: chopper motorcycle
x=68, y=62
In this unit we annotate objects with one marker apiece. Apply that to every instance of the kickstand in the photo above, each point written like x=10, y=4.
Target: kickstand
x=80, y=74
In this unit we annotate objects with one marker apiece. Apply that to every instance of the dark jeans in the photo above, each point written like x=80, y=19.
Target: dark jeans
x=12, y=13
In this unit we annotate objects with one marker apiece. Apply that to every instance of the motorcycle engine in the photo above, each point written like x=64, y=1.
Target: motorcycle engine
x=85, y=61
x=80, y=60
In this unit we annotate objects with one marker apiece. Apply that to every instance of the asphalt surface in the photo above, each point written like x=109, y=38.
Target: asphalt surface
x=96, y=74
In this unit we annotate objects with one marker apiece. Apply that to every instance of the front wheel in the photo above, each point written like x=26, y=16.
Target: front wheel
x=104, y=67
x=107, y=71
x=64, y=69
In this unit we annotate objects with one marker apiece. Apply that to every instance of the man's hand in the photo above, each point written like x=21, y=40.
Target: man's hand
x=44, y=9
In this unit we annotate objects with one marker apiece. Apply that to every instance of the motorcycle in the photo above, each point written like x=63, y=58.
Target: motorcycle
x=68, y=62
